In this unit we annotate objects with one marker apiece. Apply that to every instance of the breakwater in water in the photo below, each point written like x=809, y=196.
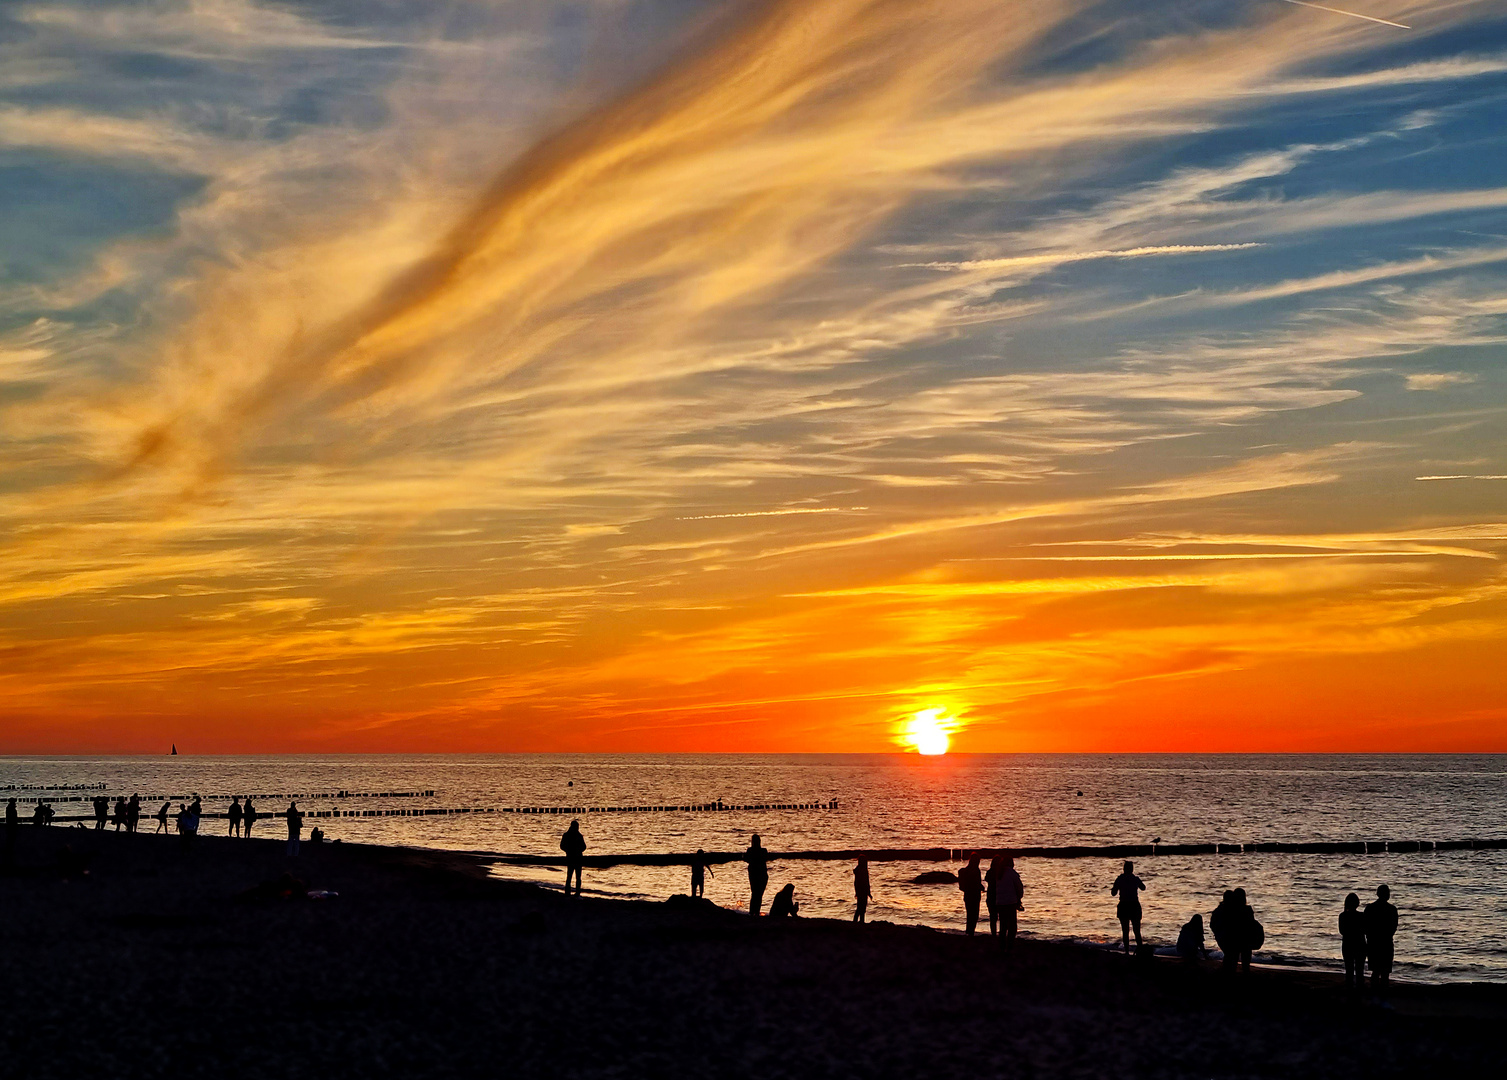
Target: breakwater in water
x=940, y=854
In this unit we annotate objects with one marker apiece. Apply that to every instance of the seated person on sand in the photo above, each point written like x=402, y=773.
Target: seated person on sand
x=784, y=906
x=1190, y=939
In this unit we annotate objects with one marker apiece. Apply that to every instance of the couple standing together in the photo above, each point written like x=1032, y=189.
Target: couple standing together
x=1001, y=889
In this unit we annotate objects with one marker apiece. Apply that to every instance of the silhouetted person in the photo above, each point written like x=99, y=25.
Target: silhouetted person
x=757, y=857
x=1222, y=923
x=181, y=817
x=119, y=814
x=234, y=814
x=1381, y=927
x=1009, y=896
x=1190, y=939
x=40, y=816
x=574, y=846
x=249, y=817
x=101, y=811
x=699, y=869
x=161, y=816
x=971, y=885
x=784, y=905
x=316, y=836
x=861, y=890
x=133, y=812
x=295, y=828
x=1248, y=930
x=1353, y=942
x=1128, y=887
x=196, y=808
x=12, y=823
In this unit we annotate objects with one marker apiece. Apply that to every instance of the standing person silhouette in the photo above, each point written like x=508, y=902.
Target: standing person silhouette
x=101, y=810
x=574, y=845
x=133, y=812
x=1353, y=942
x=12, y=823
x=991, y=892
x=971, y=884
x=1128, y=911
x=248, y=817
x=757, y=857
x=1009, y=894
x=861, y=891
x=235, y=813
x=295, y=828
x=161, y=815
x=1380, y=920
x=699, y=869
x=118, y=813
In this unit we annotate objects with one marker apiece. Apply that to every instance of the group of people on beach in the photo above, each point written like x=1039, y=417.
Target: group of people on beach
x=1366, y=936
x=126, y=813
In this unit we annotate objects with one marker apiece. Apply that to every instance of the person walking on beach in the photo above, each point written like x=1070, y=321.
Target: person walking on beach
x=161, y=815
x=574, y=846
x=1128, y=887
x=248, y=817
x=119, y=814
x=234, y=814
x=757, y=857
x=699, y=869
x=133, y=812
x=971, y=885
x=101, y=811
x=1353, y=942
x=861, y=890
x=1381, y=927
x=1009, y=895
x=295, y=828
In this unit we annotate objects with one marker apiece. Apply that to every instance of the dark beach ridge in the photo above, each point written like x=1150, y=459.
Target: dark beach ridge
x=131, y=956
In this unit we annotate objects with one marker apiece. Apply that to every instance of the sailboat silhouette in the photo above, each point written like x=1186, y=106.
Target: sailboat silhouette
x=175, y=750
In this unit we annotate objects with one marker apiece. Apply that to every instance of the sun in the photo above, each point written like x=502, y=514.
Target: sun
x=927, y=731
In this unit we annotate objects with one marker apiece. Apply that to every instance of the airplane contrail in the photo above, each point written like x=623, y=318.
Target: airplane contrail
x=1352, y=14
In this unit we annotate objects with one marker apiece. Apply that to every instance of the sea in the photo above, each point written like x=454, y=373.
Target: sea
x=1452, y=904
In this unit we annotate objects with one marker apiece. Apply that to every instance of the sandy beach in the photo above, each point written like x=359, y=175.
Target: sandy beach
x=157, y=962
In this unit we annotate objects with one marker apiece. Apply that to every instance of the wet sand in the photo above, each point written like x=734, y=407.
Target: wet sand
x=152, y=964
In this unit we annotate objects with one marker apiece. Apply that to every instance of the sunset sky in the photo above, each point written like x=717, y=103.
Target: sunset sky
x=474, y=375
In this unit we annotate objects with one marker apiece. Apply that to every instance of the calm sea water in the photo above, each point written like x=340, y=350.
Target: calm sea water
x=1453, y=905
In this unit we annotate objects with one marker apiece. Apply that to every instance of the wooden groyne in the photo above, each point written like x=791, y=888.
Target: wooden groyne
x=438, y=811
x=938, y=854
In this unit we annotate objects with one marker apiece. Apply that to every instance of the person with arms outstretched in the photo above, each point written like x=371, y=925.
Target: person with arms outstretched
x=757, y=857
x=1128, y=887
x=574, y=846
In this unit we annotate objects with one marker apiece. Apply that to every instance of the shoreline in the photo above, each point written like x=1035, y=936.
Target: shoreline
x=166, y=961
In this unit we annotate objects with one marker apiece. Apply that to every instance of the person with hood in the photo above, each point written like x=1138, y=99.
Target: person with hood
x=248, y=817
x=574, y=846
x=1009, y=892
x=784, y=905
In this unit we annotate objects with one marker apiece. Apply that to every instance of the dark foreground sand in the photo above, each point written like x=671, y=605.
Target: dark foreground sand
x=150, y=966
